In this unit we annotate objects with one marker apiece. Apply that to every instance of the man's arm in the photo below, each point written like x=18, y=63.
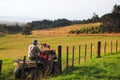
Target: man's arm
x=37, y=50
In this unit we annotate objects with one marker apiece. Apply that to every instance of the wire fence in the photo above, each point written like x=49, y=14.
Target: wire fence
x=85, y=52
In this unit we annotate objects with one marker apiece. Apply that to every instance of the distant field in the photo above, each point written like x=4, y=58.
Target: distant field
x=63, y=31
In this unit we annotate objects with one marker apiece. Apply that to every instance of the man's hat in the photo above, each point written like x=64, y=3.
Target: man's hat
x=35, y=41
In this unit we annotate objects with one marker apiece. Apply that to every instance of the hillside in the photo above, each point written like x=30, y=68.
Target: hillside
x=105, y=68
x=62, y=31
x=15, y=46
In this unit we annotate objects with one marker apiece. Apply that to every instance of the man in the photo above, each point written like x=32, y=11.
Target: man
x=33, y=50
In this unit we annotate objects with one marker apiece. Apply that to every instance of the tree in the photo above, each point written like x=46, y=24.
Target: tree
x=17, y=27
x=111, y=22
x=61, y=22
x=3, y=28
x=26, y=30
x=116, y=9
x=95, y=18
x=45, y=24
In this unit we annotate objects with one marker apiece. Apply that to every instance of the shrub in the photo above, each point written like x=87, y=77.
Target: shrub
x=89, y=30
x=72, y=31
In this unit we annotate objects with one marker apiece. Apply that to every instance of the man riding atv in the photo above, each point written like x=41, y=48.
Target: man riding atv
x=46, y=63
x=33, y=50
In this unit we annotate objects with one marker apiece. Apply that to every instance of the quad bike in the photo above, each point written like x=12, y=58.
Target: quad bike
x=45, y=65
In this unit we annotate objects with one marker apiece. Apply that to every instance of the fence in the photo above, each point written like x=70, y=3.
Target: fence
x=81, y=57
x=0, y=67
x=101, y=49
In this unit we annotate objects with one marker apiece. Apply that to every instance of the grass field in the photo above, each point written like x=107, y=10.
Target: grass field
x=14, y=46
x=63, y=31
x=105, y=68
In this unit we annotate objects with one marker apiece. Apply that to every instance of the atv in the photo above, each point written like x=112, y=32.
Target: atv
x=35, y=70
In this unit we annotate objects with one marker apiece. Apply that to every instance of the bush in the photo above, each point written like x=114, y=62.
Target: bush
x=89, y=30
x=72, y=31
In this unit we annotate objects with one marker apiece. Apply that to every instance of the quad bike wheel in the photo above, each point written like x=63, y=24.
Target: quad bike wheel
x=38, y=76
x=55, y=70
x=17, y=73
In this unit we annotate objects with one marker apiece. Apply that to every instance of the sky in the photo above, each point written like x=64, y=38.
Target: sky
x=54, y=9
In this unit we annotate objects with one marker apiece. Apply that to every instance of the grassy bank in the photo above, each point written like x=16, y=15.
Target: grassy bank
x=7, y=69
x=105, y=68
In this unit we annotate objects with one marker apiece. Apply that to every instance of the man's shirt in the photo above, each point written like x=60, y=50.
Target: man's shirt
x=33, y=50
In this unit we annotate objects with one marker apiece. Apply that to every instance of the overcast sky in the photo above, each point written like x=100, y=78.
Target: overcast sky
x=54, y=9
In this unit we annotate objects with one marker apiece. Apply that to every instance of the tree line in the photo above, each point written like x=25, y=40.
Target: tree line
x=10, y=28
x=43, y=24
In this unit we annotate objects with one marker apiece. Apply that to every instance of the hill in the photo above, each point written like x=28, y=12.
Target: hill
x=105, y=68
x=62, y=31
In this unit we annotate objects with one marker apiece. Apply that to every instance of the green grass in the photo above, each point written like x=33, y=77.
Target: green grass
x=14, y=46
x=7, y=69
x=105, y=68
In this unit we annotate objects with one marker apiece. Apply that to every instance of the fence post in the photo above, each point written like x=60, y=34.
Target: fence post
x=105, y=47
x=67, y=58
x=116, y=46
x=111, y=46
x=79, y=52
x=85, y=51
x=91, y=52
x=60, y=58
x=0, y=67
x=99, y=49
x=73, y=56
x=23, y=68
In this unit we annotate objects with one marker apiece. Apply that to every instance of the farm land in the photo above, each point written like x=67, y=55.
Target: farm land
x=15, y=46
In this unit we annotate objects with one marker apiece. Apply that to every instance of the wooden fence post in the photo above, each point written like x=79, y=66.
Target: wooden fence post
x=91, y=52
x=67, y=58
x=111, y=46
x=60, y=58
x=0, y=67
x=85, y=51
x=116, y=46
x=73, y=56
x=79, y=53
x=23, y=68
x=105, y=47
x=99, y=49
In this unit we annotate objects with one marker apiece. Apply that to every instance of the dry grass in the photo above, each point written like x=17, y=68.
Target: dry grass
x=62, y=31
